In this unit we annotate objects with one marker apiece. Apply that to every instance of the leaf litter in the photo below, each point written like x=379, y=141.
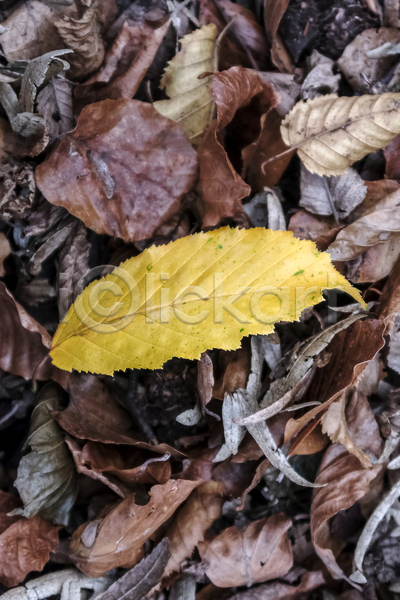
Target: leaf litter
x=239, y=458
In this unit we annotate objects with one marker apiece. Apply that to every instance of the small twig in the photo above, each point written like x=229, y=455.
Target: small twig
x=135, y=410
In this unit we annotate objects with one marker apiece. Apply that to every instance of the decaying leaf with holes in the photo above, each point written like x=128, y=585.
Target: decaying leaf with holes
x=202, y=291
x=191, y=103
x=331, y=133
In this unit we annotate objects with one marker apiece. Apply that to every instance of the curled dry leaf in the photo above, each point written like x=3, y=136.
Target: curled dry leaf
x=273, y=13
x=336, y=196
x=246, y=33
x=347, y=481
x=84, y=38
x=197, y=515
x=261, y=552
x=138, y=582
x=191, y=103
x=256, y=168
x=119, y=468
x=241, y=252
x=122, y=158
x=331, y=133
x=222, y=187
x=46, y=480
x=25, y=546
x=116, y=540
x=24, y=343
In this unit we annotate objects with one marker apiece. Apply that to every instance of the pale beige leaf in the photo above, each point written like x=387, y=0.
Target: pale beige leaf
x=191, y=103
x=331, y=133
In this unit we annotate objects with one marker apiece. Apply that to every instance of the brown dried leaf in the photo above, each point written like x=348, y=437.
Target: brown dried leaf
x=116, y=540
x=273, y=13
x=122, y=157
x=127, y=60
x=24, y=343
x=347, y=481
x=119, y=468
x=334, y=424
x=221, y=186
x=25, y=544
x=259, y=553
x=197, y=515
x=84, y=38
x=246, y=33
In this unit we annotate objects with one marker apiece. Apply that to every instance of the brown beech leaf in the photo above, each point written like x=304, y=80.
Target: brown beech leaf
x=197, y=515
x=273, y=13
x=390, y=299
x=269, y=143
x=334, y=424
x=347, y=481
x=261, y=552
x=222, y=187
x=350, y=351
x=122, y=158
x=116, y=468
x=116, y=540
x=25, y=544
x=24, y=343
x=127, y=60
x=246, y=33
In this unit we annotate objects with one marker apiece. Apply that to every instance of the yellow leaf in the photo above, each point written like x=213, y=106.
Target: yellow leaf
x=331, y=133
x=202, y=291
x=191, y=103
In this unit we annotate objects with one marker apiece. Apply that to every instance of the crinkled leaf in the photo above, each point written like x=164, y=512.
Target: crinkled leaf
x=47, y=480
